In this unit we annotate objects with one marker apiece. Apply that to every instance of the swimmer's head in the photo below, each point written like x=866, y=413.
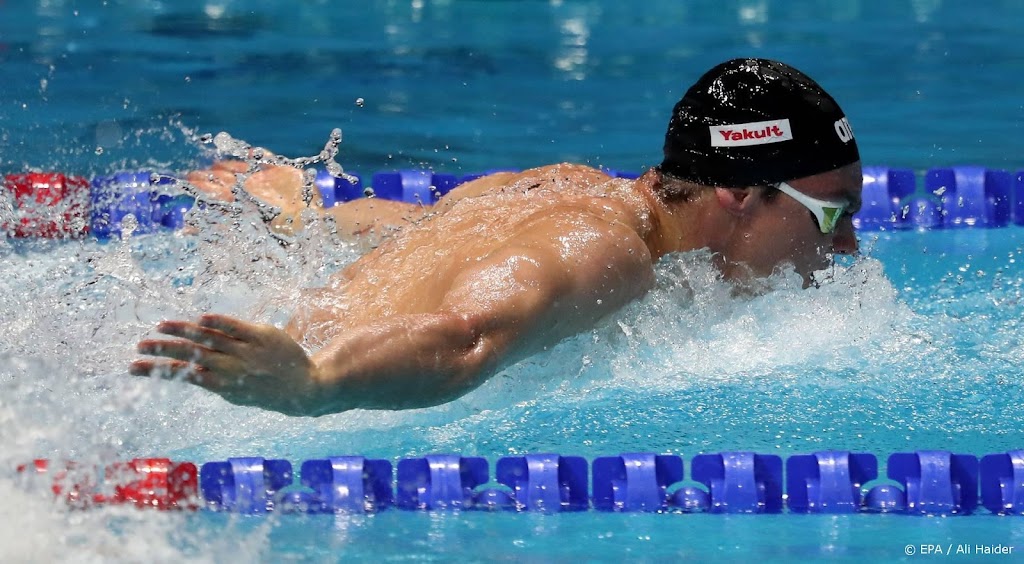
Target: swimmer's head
x=756, y=122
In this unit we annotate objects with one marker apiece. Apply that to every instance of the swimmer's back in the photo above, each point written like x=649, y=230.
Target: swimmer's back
x=572, y=209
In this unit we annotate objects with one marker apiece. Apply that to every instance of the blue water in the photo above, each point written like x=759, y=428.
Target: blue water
x=917, y=345
x=479, y=84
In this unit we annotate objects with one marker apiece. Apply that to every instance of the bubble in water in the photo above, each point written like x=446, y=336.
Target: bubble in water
x=129, y=224
x=360, y=102
x=206, y=138
x=368, y=192
x=99, y=150
x=228, y=145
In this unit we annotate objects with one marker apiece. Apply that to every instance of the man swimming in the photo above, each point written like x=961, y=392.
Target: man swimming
x=760, y=167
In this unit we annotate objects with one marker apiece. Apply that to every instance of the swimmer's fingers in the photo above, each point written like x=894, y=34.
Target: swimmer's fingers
x=178, y=349
x=210, y=338
x=231, y=327
x=214, y=183
x=166, y=369
x=202, y=357
x=279, y=186
x=177, y=369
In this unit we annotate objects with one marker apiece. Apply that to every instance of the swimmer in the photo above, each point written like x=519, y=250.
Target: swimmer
x=760, y=167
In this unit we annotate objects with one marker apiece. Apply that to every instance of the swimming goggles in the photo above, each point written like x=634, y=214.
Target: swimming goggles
x=827, y=213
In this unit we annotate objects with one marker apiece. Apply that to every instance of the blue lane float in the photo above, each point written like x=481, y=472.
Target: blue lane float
x=829, y=481
x=936, y=482
x=635, y=481
x=149, y=199
x=244, y=485
x=972, y=196
x=740, y=482
x=885, y=190
x=1002, y=482
x=893, y=198
x=545, y=482
x=413, y=186
x=439, y=481
x=344, y=484
x=925, y=482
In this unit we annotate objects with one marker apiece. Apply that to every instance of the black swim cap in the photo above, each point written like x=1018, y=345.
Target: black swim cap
x=752, y=122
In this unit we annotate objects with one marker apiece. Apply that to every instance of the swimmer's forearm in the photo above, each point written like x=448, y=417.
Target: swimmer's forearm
x=405, y=362
x=373, y=216
x=365, y=216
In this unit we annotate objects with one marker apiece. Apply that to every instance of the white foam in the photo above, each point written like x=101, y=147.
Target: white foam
x=692, y=329
x=71, y=314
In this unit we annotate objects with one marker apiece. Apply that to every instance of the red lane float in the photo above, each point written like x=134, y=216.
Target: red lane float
x=145, y=482
x=50, y=205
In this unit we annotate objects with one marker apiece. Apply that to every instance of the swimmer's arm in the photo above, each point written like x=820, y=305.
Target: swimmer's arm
x=525, y=297
x=377, y=216
x=373, y=216
x=518, y=301
x=281, y=187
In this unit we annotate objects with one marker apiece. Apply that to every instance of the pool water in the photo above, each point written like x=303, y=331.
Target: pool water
x=916, y=345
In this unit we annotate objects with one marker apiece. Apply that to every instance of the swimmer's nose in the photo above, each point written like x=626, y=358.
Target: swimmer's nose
x=844, y=240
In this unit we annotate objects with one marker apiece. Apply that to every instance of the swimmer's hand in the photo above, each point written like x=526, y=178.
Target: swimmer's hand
x=279, y=186
x=245, y=363
x=273, y=185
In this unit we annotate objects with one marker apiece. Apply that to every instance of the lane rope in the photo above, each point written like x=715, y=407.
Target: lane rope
x=55, y=205
x=924, y=482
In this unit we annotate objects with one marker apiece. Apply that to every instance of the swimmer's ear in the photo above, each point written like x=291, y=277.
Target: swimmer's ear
x=736, y=201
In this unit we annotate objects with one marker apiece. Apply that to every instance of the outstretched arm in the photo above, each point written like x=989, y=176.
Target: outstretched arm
x=531, y=293
x=282, y=186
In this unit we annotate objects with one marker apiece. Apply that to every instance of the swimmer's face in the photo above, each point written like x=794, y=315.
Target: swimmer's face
x=782, y=230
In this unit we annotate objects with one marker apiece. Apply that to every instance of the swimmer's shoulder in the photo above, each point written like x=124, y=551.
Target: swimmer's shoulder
x=554, y=176
x=566, y=171
x=564, y=184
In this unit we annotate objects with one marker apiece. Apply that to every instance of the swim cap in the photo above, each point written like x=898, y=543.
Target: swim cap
x=752, y=122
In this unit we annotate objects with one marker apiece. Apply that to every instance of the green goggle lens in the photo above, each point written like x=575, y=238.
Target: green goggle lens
x=827, y=213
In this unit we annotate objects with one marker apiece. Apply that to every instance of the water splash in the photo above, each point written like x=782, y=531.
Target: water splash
x=72, y=312
x=689, y=367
